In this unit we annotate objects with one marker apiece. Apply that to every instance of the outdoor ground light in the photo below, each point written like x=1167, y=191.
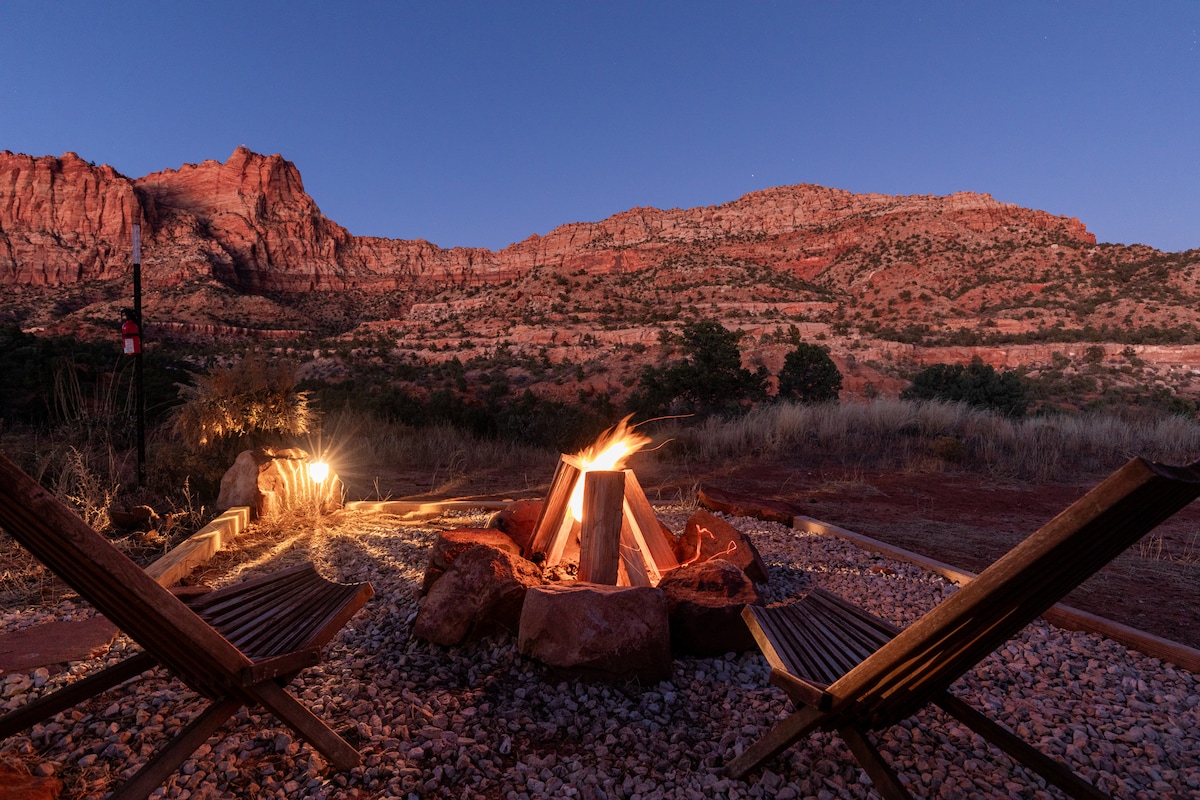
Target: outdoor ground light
x=318, y=471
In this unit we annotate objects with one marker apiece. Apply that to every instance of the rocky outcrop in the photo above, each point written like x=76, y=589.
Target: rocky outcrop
x=63, y=220
x=249, y=223
x=239, y=250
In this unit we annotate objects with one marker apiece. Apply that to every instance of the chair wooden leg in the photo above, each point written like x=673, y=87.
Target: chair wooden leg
x=275, y=698
x=887, y=783
x=59, y=700
x=786, y=732
x=1019, y=749
x=166, y=761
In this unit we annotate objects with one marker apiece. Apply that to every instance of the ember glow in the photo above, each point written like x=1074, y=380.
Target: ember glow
x=606, y=453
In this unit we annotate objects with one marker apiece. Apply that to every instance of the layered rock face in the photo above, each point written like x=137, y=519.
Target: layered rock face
x=63, y=220
x=250, y=224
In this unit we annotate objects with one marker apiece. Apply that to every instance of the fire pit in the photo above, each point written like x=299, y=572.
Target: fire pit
x=597, y=512
x=637, y=592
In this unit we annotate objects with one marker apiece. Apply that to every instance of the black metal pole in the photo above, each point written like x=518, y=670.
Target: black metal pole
x=139, y=393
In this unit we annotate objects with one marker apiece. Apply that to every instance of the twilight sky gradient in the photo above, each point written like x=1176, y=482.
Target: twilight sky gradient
x=480, y=123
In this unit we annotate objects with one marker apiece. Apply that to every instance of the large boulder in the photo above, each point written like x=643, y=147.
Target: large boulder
x=449, y=545
x=704, y=603
x=591, y=630
x=271, y=481
x=481, y=593
x=707, y=536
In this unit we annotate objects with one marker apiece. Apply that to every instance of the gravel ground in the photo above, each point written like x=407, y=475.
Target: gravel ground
x=480, y=721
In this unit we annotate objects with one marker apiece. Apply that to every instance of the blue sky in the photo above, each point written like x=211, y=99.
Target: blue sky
x=480, y=123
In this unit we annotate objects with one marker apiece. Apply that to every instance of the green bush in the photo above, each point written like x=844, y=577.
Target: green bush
x=809, y=375
x=976, y=384
x=709, y=379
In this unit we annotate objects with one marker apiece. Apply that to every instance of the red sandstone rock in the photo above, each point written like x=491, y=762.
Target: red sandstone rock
x=597, y=631
x=249, y=222
x=959, y=262
x=738, y=505
x=63, y=220
x=449, y=545
x=56, y=642
x=518, y=521
x=707, y=537
x=17, y=785
x=481, y=593
x=704, y=603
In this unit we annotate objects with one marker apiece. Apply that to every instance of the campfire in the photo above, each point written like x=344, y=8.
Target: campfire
x=597, y=512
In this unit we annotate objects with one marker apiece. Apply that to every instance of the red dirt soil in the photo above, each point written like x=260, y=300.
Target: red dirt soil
x=969, y=521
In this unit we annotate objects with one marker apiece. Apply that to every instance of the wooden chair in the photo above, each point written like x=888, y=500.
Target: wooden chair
x=852, y=672
x=237, y=646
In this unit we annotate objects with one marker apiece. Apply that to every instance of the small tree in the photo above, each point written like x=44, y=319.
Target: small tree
x=710, y=379
x=809, y=375
x=976, y=384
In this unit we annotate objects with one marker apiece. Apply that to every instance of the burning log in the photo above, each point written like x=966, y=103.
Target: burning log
x=646, y=552
x=611, y=524
x=600, y=531
x=555, y=526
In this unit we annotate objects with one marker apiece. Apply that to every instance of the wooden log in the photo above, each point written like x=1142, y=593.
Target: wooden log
x=635, y=566
x=600, y=535
x=554, y=524
x=655, y=547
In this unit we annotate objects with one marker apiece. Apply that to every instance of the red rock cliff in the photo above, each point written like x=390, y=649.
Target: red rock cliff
x=62, y=220
x=249, y=223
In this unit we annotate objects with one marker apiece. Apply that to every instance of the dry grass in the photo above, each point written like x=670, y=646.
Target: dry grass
x=918, y=435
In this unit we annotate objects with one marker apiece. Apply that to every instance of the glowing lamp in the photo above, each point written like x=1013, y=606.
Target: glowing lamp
x=318, y=471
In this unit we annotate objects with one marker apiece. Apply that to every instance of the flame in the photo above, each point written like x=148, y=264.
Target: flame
x=607, y=453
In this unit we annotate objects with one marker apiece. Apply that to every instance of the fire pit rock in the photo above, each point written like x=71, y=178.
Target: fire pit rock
x=704, y=604
x=707, y=536
x=449, y=545
x=615, y=633
x=481, y=593
x=519, y=521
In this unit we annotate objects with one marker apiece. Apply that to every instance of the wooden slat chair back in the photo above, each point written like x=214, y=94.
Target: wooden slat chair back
x=230, y=646
x=850, y=671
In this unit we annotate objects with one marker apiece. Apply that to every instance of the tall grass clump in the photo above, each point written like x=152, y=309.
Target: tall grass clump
x=890, y=434
x=83, y=451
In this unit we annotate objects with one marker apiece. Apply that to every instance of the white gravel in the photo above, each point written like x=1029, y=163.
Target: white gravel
x=480, y=721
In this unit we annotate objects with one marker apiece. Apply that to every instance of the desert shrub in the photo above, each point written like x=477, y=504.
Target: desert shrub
x=250, y=403
x=976, y=384
x=809, y=375
x=709, y=379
